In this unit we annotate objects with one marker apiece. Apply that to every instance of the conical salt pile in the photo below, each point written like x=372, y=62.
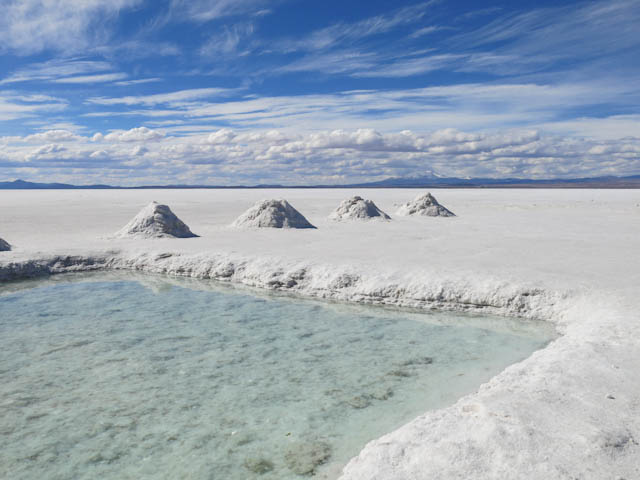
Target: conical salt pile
x=155, y=221
x=4, y=246
x=424, y=205
x=357, y=208
x=272, y=214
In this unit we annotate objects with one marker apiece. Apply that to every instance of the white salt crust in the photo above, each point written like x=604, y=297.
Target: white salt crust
x=570, y=410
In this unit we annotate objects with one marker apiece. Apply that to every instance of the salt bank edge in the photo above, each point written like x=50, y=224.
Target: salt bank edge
x=569, y=411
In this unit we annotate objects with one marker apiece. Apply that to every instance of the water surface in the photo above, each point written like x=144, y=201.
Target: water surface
x=129, y=377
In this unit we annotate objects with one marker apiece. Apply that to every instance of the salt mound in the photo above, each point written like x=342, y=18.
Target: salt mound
x=357, y=208
x=272, y=214
x=424, y=205
x=4, y=246
x=155, y=221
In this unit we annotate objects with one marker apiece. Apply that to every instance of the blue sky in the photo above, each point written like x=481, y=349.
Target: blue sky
x=296, y=92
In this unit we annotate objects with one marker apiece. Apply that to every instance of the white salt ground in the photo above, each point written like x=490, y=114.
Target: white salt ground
x=571, y=257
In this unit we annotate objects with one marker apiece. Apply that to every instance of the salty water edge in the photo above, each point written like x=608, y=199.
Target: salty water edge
x=105, y=377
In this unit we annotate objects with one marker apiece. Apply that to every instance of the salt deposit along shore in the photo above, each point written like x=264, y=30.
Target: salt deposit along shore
x=570, y=257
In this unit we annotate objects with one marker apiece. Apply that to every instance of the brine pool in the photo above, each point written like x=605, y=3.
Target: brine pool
x=113, y=376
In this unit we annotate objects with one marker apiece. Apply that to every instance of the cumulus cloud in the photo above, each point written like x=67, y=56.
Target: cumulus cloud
x=52, y=136
x=224, y=135
x=99, y=154
x=139, y=151
x=227, y=156
x=45, y=151
x=138, y=134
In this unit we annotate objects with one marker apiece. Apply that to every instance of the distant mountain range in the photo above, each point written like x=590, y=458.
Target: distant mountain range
x=430, y=181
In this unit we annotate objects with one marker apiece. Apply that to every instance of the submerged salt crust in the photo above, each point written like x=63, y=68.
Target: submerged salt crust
x=566, y=256
x=159, y=377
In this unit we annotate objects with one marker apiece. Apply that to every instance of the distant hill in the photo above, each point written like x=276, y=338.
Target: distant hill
x=22, y=185
x=454, y=182
x=429, y=181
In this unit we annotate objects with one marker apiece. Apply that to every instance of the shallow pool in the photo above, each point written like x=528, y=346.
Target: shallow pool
x=129, y=377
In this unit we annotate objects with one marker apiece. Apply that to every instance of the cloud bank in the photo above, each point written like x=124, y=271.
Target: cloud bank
x=225, y=156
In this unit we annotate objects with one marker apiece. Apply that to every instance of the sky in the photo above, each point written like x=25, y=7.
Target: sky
x=294, y=92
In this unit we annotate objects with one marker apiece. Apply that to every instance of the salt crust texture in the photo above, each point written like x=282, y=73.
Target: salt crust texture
x=155, y=221
x=4, y=246
x=357, y=208
x=569, y=411
x=272, y=214
x=424, y=205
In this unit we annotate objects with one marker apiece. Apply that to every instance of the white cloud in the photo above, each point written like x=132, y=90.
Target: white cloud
x=126, y=83
x=58, y=71
x=52, y=136
x=16, y=106
x=31, y=26
x=45, y=151
x=224, y=135
x=341, y=33
x=99, y=154
x=139, y=151
x=421, y=32
x=206, y=10
x=406, y=67
x=597, y=36
x=139, y=134
x=466, y=106
x=346, y=155
x=227, y=41
x=164, y=98
x=104, y=78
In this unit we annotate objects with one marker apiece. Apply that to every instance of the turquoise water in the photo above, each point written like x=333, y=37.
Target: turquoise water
x=127, y=377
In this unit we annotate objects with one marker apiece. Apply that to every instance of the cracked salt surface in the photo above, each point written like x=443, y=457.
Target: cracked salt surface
x=138, y=376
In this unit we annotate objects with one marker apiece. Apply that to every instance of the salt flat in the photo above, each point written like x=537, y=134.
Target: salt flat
x=570, y=257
